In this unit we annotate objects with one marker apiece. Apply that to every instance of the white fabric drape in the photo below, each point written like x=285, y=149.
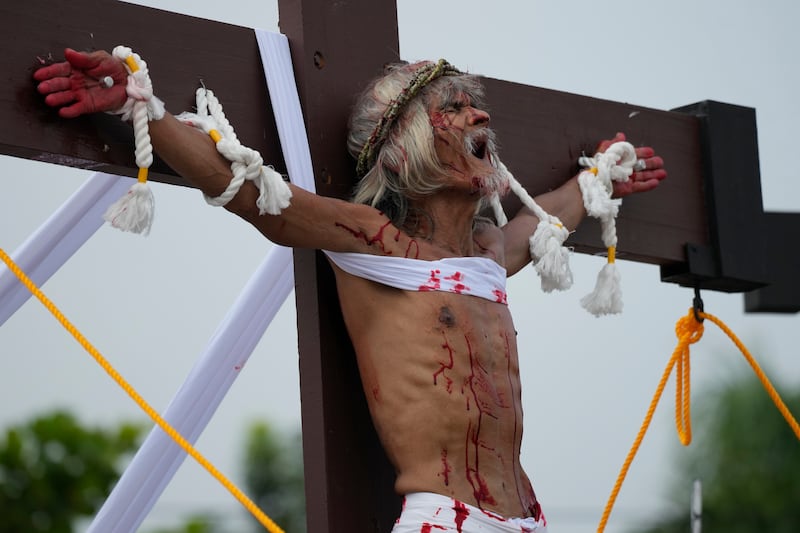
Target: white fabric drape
x=61, y=235
x=198, y=398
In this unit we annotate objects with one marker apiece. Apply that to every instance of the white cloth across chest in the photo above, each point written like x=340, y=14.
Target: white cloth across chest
x=474, y=276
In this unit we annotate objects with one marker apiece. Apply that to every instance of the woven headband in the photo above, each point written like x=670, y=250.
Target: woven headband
x=422, y=77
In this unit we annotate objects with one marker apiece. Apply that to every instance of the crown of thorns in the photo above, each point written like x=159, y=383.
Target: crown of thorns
x=422, y=77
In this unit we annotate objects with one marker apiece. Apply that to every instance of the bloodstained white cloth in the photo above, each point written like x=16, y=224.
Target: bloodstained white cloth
x=426, y=512
x=475, y=276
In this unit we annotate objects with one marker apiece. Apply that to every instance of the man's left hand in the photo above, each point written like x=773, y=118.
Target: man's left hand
x=643, y=180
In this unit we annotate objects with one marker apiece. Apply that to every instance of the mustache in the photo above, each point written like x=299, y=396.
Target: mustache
x=481, y=141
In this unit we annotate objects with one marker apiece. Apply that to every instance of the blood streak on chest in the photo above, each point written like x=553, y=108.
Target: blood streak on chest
x=446, y=468
x=377, y=239
x=474, y=445
x=412, y=245
x=445, y=366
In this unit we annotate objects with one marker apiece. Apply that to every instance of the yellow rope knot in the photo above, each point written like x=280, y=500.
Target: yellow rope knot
x=689, y=329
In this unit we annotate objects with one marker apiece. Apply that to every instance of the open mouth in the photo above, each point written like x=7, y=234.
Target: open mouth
x=478, y=146
x=479, y=149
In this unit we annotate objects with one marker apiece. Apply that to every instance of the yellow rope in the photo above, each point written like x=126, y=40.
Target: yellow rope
x=776, y=399
x=689, y=330
x=163, y=424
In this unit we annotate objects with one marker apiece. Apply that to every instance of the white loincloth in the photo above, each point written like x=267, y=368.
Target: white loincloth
x=433, y=513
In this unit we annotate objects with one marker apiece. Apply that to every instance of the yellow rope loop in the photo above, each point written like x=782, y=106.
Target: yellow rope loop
x=248, y=504
x=689, y=330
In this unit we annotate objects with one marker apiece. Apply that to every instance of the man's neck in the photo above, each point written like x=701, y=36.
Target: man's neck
x=446, y=222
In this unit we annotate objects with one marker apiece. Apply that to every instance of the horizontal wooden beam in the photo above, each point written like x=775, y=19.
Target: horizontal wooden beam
x=542, y=132
x=181, y=52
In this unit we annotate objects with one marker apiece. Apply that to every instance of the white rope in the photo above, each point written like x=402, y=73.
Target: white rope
x=246, y=163
x=497, y=208
x=139, y=88
x=597, y=185
x=550, y=256
x=134, y=211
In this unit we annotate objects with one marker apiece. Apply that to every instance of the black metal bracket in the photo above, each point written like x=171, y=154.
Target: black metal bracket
x=748, y=250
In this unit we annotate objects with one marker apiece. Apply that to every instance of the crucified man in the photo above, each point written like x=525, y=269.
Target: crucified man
x=420, y=274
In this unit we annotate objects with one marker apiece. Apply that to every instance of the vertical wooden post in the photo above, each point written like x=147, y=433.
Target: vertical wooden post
x=336, y=48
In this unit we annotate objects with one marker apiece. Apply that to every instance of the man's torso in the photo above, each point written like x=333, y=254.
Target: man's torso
x=440, y=372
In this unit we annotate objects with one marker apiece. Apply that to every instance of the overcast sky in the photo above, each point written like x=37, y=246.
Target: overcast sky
x=150, y=304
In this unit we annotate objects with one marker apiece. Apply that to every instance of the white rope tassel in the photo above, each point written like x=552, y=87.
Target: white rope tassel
x=246, y=163
x=606, y=298
x=550, y=256
x=134, y=211
x=596, y=184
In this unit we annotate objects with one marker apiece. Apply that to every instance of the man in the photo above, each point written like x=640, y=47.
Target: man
x=420, y=276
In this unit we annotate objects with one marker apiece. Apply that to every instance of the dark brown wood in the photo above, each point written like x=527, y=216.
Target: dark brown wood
x=180, y=52
x=349, y=482
x=542, y=132
x=332, y=65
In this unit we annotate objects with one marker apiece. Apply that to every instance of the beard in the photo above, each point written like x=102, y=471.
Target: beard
x=482, y=144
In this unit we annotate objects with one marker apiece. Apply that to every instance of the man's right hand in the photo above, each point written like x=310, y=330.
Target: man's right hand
x=75, y=87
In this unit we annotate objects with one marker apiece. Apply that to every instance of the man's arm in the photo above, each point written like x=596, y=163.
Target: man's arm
x=566, y=203
x=311, y=221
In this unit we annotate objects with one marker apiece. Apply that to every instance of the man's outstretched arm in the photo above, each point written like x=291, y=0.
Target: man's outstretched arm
x=566, y=203
x=75, y=88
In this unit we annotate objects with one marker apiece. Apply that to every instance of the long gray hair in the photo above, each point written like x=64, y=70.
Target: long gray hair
x=406, y=166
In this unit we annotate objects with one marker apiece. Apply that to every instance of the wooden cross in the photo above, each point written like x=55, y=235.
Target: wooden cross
x=704, y=226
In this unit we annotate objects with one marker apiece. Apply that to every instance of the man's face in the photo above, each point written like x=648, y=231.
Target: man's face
x=465, y=145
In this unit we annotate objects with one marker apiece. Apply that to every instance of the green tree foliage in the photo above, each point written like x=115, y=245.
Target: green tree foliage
x=748, y=459
x=53, y=470
x=274, y=476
